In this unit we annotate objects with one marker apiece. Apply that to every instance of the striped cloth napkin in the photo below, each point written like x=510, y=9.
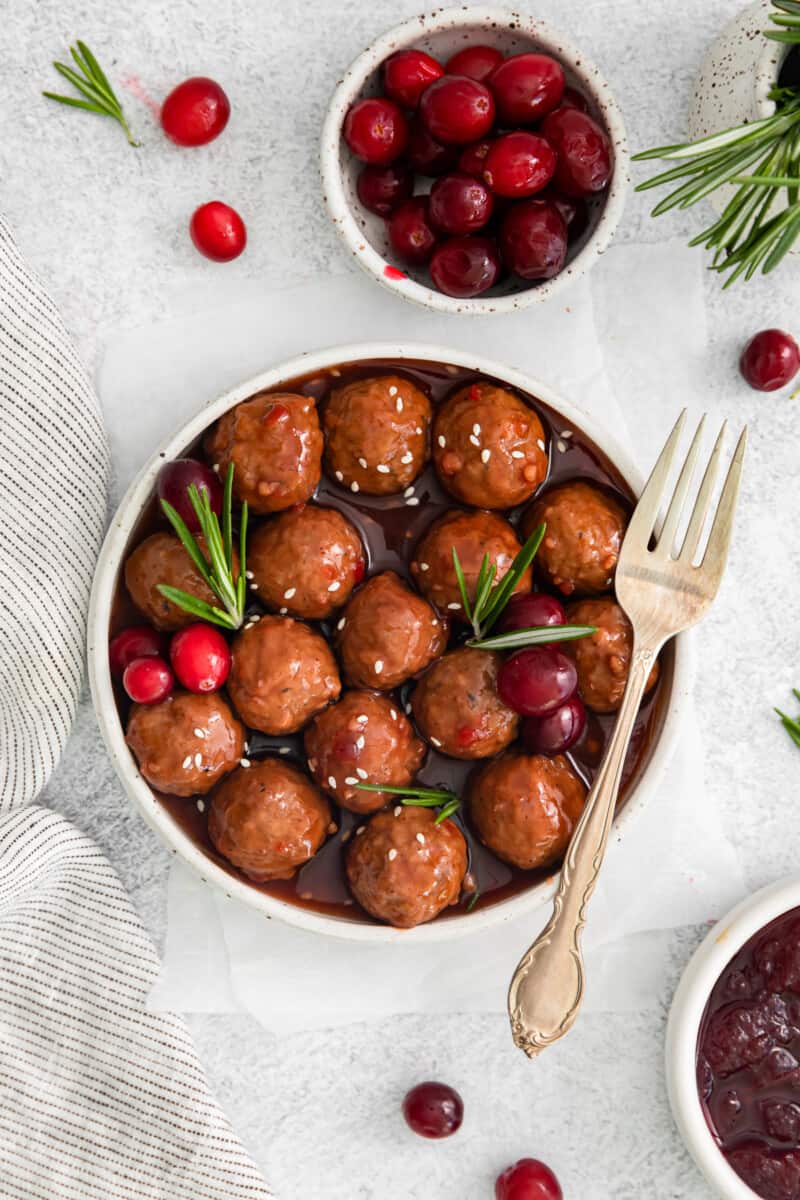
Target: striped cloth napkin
x=99, y=1098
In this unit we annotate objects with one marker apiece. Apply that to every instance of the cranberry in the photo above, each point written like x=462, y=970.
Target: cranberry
x=572, y=98
x=410, y=232
x=381, y=189
x=770, y=360
x=137, y=641
x=531, y=610
x=218, y=231
x=583, y=149
x=465, y=266
x=148, y=680
x=476, y=62
x=526, y=87
x=533, y=240
x=573, y=209
x=427, y=156
x=460, y=204
x=537, y=680
x=457, y=110
x=376, y=130
x=519, y=164
x=173, y=483
x=195, y=112
x=558, y=731
x=406, y=75
x=767, y=1172
x=433, y=1110
x=200, y=657
x=528, y=1179
x=472, y=157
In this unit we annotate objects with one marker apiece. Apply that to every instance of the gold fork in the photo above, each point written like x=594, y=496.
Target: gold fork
x=663, y=590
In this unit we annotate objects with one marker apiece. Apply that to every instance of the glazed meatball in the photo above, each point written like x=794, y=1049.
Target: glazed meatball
x=585, y=528
x=275, y=444
x=185, y=744
x=364, y=738
x=306, y=562
x=405, y=869
x=282, y=673
x=376, y=433
x=525, y=807
x=473, y=534
x=457, y=708
x=387, y=634
x=269, y=819
x=603, y=659
x=488, y=447
x=161, y=558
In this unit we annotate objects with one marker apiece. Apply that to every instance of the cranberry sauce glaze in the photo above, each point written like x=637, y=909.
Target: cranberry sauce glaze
x=390, y=527
x=748, y=1060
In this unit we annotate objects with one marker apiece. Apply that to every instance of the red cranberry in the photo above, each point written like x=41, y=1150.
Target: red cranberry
x=406, y=75
x=457, y=110
x=770, y=360
x=531, y=610
x=465, y=266
x=472, y=158
x=218, y=231
x=381, y=189
x=558, y=731
x=433, y=1110
x=173, y=483
x=533, y=240
x=573, y=209
x=148, y=680
x=410, y=232
x=425, y=155
x=519, y=164
x=376, y=130
x=528, y=1179
x=526, y=87
x=200, y=657
x=460, y=204
x=137, y=641
x=476, y=62
x=583, y=149
x=195, y=112
x=572, y=98
x=537, y=680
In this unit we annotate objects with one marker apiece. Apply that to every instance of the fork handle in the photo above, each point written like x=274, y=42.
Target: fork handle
x=547, y=987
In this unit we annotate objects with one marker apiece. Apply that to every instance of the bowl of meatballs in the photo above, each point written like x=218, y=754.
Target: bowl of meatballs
x=354, y=646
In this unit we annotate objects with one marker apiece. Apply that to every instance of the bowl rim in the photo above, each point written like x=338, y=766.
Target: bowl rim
x=706, y=965
x=409, y=32
x=109, y=563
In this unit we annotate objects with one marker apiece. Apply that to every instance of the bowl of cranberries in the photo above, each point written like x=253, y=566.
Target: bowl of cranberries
x=473, y=161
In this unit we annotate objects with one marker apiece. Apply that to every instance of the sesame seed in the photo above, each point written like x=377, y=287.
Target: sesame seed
x=454, y=607
x=541, y=444
x=378, y=665
x=361, y=742
x=332, y=781
x=341, y=624
x=441, y=440
x=287, y=595
x=253, y=587
x=408, y=457
x=360, y=830
x=350, y=780
x=249, y=575
x=361, y=773
x=413, y=502
x=283, y=611
x=362, y=718
x=408, y=708
x=566, y=433
x=561, y=446
x=409, y=491
x=392, y=390
x=485, y=455
x=312, y=762
x=362, y=462
x=201, y=806
x=392, y=855
x=398, y=810
x=287, y=750
x=334, y=587
x=476, y=429
x=382, y=469
x=435, y=741
x=418, y=429
x=517, y=454
x=339, y=475
x=475, y=441
x=244, y=762
x=345, y=836
x=201, y=733
x=216, y=468
x=393, y=713
x=399, y=404
x=198, y=759
x=424, y=566
x=354, y=486
x=421, y=839
x=187, y=762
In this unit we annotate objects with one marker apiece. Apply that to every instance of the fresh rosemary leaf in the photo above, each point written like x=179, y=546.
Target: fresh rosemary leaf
x=86, y=87
x=189, y=544
x=198, y=608
x=91, y=81
x=227, y=504
x=539, y=635
x=503, y=592
x=96, y=71
x=473, y=901
x=462, y=586
x=432, y=796
x=448, y=811
x=73, y=103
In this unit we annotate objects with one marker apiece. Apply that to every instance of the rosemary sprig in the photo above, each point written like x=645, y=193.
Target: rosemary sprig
x=448, y=802
x=537, y=635
x=91, y=81
x=791, y=724
x=218, y=571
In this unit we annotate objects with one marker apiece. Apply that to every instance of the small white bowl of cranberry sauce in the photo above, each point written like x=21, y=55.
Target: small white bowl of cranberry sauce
x=474, y=161
x=733, y=1049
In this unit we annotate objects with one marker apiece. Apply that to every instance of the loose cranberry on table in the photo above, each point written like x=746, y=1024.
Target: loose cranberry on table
x=532, y=610
x=381, y=189
x=472, y=157
x=410, y=231
x=173, y=483
x=476, y=62
x=770, y=360
x=460, y=204
x=195, y=112
x=583, y=149
x=148, y=680
x=433, y=1110
x=465, y=266
x=526, y=87
x=537, y=680
x=425, y=155
x=457, y=110
x=218, y=231
x=406, y=75
x=558, y=731
x=519, y=164
x=137, y=641
x=533, y=239
x=529, y=1179
x=200, y=657
x=376, y=130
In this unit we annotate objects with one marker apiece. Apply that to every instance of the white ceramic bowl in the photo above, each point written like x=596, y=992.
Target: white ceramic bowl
x=705, y=967
x=676, y=678
x=441, y=33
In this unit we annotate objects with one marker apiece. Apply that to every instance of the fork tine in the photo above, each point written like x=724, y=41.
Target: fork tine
x=719, y=538
x=694, y=531
x=666, y=538
x=645, y=514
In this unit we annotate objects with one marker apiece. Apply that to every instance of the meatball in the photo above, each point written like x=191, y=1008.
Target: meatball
x=405, y=869
x=275, y=444
x=161, y=558
x=585, y=528
x=488, y=447
x=362, y=739
x=306, y=562
x=457, y=708
x=185, y=744
x=387, y=634
x=282, y=673
x=525, y=807
x=603, y=660
x=269, y=819
x=376, y=434
x=473, y=534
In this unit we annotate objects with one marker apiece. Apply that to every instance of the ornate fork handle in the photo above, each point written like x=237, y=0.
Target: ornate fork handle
x=547, y=986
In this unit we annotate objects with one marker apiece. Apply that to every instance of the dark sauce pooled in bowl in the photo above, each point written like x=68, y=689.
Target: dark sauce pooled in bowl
x=390, y=527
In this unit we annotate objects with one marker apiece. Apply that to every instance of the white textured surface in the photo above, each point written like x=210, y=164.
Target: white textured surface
x=105, y=225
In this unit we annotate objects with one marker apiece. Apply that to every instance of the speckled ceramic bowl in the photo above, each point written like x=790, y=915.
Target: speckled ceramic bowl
x=441, y=33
